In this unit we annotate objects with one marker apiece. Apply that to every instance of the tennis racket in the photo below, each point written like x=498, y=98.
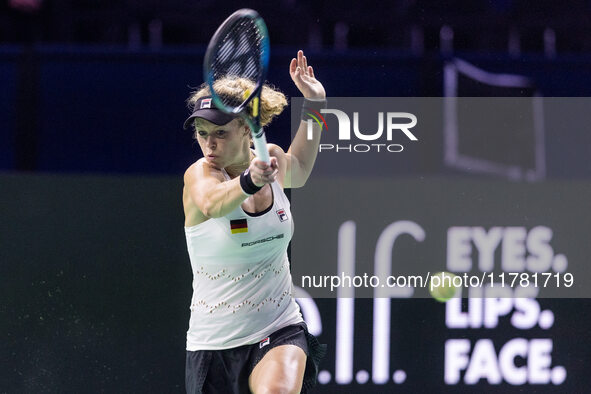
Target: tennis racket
x=240, y=47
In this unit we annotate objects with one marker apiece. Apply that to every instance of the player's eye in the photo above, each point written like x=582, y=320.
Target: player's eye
x=202, y=133
x=220, y=133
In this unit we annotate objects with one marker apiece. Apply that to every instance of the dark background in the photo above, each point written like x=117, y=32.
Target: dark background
x=94, y=278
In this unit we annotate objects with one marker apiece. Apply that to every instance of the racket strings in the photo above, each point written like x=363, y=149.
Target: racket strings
x=229, y=101
x=239, y=53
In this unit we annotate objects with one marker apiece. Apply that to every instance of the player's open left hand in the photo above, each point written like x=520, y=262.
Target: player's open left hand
x=303, y=76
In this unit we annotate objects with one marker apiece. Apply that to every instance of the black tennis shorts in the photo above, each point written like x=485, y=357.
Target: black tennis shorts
x=227, y=371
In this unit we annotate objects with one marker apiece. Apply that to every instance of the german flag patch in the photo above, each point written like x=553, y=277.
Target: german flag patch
x=238, y=226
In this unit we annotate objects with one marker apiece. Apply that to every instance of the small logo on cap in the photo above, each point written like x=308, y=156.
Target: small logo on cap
x=205, y=103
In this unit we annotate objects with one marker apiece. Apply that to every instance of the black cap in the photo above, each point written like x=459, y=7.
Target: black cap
x=205, y=108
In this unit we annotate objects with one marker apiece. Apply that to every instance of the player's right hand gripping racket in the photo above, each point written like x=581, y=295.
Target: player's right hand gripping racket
x=240, y=47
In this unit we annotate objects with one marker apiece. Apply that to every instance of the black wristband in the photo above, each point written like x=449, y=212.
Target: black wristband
x=247, y=184
x=311, y=106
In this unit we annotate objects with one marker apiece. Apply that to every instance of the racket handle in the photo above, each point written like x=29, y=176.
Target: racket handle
x=260, y=148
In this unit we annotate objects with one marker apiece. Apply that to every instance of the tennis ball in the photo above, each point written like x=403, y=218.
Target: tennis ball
x=442, y=286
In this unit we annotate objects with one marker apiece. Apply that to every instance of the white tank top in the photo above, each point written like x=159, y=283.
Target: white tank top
x=242, y=287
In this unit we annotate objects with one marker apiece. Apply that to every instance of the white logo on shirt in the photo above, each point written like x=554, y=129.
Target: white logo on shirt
x=282, y=215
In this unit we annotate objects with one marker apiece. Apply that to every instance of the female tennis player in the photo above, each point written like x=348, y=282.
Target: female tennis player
x=246, y=332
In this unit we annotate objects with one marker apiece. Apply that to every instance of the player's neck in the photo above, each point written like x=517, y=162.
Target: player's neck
x=238, y=168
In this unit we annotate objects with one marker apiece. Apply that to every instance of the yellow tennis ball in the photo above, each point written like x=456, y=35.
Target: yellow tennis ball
x=442, y=286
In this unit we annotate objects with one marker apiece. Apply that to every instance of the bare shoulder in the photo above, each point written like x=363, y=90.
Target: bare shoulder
x=191, y=172
x=282, y=162
x=277, y=151
x=200, y=170
x=198, y=177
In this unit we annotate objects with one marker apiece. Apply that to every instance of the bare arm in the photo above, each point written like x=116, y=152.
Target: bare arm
x=302, y=155
x=210, y=193
x=302, y=152
x=216, y=197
